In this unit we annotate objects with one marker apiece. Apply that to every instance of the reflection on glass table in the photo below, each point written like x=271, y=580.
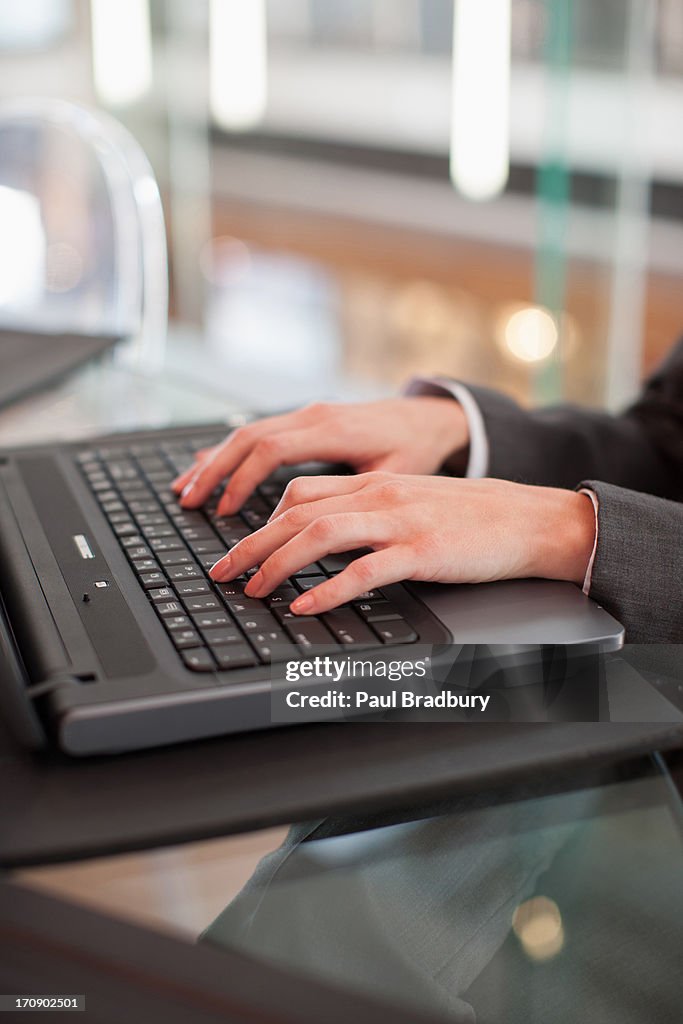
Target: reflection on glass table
x=105, y=397
x=559, y=907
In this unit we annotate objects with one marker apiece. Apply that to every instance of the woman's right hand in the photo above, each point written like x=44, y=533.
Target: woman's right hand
x=415, y=434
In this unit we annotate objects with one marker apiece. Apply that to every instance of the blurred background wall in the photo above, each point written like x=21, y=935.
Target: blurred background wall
x=360, y=190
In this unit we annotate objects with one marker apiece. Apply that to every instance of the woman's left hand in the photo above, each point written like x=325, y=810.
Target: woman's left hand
x=419, y=528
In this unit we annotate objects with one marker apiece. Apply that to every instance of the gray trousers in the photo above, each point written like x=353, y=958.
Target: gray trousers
x=411, y=911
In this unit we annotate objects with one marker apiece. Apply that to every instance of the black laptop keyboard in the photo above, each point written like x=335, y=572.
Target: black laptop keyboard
x=215, y=626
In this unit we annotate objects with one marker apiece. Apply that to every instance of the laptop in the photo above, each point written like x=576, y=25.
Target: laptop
x=31, y=359
x=113, y=637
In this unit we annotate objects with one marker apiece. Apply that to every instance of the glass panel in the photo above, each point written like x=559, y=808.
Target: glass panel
x=559, y=908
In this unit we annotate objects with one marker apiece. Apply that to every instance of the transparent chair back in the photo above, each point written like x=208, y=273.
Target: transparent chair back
x=82, y=237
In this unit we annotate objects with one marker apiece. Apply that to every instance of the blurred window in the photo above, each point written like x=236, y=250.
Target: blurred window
x=34, y=24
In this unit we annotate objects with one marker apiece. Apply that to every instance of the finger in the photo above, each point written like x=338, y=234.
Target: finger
x=256, y=548
x=326, y=535
x=208, y=474
x=315, y=488
x=378, y=569
x=285, y=448
x=182, y=479
x=395, y=462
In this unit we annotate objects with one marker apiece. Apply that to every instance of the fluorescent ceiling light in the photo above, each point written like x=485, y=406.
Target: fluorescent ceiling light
x=238, y=77
x=121, y=50
x=480, y=110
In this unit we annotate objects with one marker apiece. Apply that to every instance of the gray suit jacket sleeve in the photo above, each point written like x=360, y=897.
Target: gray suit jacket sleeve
x=633, y=462
x=638, y=568
x=641, y=449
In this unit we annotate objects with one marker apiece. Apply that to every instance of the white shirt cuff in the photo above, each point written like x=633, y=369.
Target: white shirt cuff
x=478, y=462
x=589, y=571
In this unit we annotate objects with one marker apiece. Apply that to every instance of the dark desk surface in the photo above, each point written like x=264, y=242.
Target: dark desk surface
x=56, y=808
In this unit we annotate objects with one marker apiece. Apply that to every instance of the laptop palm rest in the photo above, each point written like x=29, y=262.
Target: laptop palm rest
x=108, y=621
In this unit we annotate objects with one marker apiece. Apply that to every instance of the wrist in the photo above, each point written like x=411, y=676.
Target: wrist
x=565, y=535
x=449, y=429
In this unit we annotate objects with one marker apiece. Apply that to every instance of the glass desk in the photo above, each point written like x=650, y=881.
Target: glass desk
x=559, y=907
x=106, y=395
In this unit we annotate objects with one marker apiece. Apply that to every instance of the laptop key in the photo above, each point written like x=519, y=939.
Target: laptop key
x=234, y=656
x=139, y=508
x=378, y=611
x=272, y=492
x=183, y=518
x=273, y=646
x=202, y=603
x=284, y=615
x=176, y=557
x=195, y=533
x=145, y=519
x=140, y=551
x=206, y=547
x=309, y=633
x=208, y=561
x=260, y=623
x=154, y=532
x=209, y=619
x=233, y=589
x=151, y=464
x=233, y=535
x=126, y=529
x=184, y=572
x=226, y=522
x=338, y=562
x=348, y=628
x=281, y=596
x=183, y=638
x=135, y=492
x=177, y=622
x=220, y=637
x=244, y=607
x=116, y=518
x=398, y=632
x=135, y=540
x=151, y=580
x=308, y=570
x=308, y=582
x=161, y=594
x=198, y=660
x=169, y=608
x=173, y=543
x=190, y=588
x=145, y=565
x=256, y=519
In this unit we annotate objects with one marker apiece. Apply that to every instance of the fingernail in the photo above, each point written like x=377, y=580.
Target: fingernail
x=219, y=567
x=254, y=585
x=187, y=490
x=302, y=604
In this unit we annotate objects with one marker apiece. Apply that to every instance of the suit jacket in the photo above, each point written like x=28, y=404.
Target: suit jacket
x=634, y=463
